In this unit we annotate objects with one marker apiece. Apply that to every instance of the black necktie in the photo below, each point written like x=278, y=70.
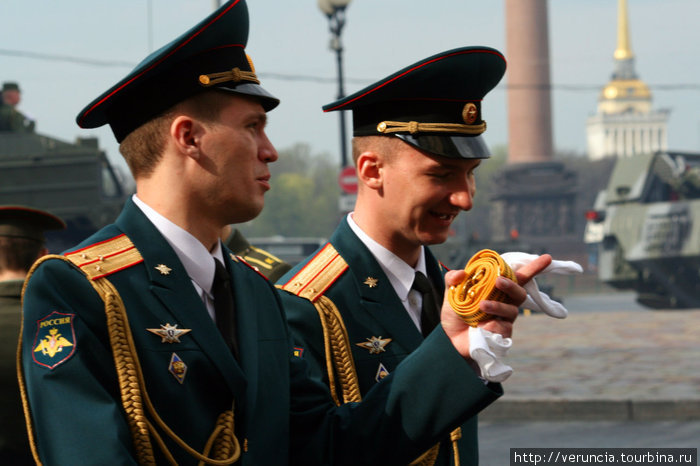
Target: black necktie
x=430, y=310
x=223, y=307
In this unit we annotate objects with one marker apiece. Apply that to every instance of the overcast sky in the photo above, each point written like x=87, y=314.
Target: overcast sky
x=289, y=44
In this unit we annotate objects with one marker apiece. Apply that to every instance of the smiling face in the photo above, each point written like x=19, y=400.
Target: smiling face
x=232, y=175
x=417, y=198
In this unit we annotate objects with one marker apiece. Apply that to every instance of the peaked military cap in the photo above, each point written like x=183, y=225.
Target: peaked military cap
x=434, y=104
x=26, y=222
x=211, y=55
x=10, y=86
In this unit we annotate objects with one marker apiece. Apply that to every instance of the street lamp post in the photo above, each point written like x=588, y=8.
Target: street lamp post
x=335, y=11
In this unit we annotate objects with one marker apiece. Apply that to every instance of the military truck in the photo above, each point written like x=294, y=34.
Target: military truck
x=74, y=181
x=645, y=229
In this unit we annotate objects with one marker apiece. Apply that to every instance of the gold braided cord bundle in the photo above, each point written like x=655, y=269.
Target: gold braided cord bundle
x=482, y=271
x=338, y=353
x=135, y=397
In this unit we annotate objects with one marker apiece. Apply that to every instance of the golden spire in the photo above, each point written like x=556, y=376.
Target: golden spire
x=625, y=91
x=624, y=50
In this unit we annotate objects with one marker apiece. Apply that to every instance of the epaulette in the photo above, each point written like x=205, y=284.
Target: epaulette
x=106, y=257
x=243, y=261
x=264, y=259
x=317, y=275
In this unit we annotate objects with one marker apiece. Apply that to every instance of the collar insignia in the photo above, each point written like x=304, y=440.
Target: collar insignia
x=381, y=372
x=163, y=269
x=177, y=367
x=374, y=345
x=169, y=333
x=371, y=282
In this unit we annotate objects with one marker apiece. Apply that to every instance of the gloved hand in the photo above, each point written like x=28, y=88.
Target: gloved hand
x=487, y=348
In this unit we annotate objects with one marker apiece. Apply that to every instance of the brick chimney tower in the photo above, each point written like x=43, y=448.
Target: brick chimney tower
x=529, y=94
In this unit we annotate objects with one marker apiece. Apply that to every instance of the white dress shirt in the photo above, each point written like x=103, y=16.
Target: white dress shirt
x=197, y=260
x=399, y=273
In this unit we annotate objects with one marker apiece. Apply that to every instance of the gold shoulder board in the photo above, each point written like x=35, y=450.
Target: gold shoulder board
x=107, y=257
x=317, y=275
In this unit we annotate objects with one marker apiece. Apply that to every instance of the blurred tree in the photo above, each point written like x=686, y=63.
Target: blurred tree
x=303, y=200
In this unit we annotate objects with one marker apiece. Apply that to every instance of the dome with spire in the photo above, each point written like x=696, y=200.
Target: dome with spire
x=625, y=124
x=625, y=92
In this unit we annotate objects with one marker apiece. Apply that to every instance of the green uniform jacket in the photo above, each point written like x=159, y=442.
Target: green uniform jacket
x=371, y=309
x=13, y=120
x=267, y=264
x=282, y=415
x=14, y=447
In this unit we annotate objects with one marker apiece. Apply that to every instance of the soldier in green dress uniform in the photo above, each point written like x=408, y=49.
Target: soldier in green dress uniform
x=12, y=119
x=150, y=342
x=361, y=305
x=267, y=264
x=21, y=243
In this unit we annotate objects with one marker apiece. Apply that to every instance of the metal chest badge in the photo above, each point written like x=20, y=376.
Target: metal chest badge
x=375, y=345
x=169, y=333
x=54, y=342
x=177, y=367
x=382, y=372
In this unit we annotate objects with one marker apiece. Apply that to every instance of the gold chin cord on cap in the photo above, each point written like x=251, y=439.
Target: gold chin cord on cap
x=482, y=271
x=413, y=127
x=236, y=75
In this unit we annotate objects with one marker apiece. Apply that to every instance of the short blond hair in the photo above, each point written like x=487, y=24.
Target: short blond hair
x=385, y=146
x=143, y=148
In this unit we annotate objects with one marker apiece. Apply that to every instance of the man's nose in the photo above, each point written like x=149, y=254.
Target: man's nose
x=463, y=198
x=266, y=151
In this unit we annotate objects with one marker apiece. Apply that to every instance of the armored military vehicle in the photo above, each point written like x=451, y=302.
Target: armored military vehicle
x=645, y=229
x=72, y=180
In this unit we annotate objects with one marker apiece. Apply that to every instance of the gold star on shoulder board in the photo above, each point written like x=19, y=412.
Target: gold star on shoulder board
x=163, y=269
x=371, y=282
x=169, y=333
x=375, y=345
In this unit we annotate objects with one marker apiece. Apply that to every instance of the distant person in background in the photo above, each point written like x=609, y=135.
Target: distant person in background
x=21, y=243
x=12, y=119
x=267, y=264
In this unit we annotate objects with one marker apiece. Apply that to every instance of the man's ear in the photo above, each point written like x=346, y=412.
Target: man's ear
x=186, y=134
x=42, y=252
x=370, y=170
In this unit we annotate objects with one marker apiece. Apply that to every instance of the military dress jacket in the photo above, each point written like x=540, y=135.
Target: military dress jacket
x=379, y=330
x=14, y=447
x=282, y=416
x=267, y=264
x=13, y=120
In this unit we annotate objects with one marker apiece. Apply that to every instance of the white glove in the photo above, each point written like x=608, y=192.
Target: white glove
x=537, y=300
x=486, y=348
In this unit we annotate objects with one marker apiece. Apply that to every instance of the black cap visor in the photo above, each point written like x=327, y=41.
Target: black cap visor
x=453, y=147
x=267, y=100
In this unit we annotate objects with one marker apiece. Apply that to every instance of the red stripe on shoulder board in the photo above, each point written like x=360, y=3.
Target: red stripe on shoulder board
x=93, y=245
x=257, y=270
x=308, y=262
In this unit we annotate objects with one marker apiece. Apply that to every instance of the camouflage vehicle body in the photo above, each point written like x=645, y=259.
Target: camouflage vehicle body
x=74, y=181
x=647, y=229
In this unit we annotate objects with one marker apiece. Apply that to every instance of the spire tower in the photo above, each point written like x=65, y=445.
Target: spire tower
x=625, y=124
